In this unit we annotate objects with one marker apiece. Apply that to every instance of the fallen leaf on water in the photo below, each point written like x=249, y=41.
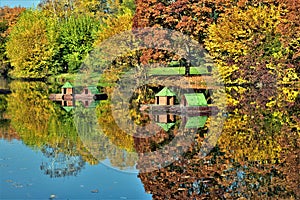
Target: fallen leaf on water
x=95, y=191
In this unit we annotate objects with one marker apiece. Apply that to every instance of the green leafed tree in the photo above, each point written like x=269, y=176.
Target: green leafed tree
x=31, y=46
x=77, y=35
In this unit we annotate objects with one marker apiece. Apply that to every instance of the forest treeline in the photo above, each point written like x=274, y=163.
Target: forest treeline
x=55, y=37
x=251, y=41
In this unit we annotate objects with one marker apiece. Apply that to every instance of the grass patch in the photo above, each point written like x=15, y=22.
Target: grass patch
x=167, y=71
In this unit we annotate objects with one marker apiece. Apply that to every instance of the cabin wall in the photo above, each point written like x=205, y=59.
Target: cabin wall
x=69, y=103
x=69, y=90
x=171, y=118
x=86, y=91
x=163, y=118
x=171, y=100
x=163, y=100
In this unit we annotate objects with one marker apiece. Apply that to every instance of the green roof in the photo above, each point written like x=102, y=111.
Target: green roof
x=165, y=92
x=195, y=99
x=67, y=85
x=68, y=108
x=93, y=89
x=166, y=126
x=196, y=122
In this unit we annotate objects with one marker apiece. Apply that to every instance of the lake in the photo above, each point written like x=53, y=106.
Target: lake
x=90, y=149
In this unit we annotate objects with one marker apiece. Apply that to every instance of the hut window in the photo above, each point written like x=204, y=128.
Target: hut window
x=86, y=91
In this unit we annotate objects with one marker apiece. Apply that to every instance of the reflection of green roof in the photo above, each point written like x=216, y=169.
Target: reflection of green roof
x=68, y=108
x=165, y=126
x=195, y=99
x=67, y=85
x=165, y=92
x=196, y=122
x=94, y=104
x=93, y=89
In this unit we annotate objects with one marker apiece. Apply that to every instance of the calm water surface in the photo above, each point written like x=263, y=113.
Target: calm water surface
x=22, y=178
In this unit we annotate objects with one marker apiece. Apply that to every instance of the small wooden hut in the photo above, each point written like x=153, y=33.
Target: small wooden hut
x=165, y=97
x=67, y=88
x=90, y=90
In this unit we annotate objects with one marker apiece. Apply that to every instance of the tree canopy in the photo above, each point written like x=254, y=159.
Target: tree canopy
x=35, y=33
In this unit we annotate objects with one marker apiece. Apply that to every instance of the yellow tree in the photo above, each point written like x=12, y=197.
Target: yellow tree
x=114, y=25
x=8, y=18
x=35, y=33
x=243, y=40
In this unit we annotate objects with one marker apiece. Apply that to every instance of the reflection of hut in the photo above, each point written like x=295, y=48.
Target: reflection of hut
x=165, y=97
x=194, y=99
x=68, y=108
x=67, y=103
x=196, y=122
x=166, y=126
x=165, y=121
x=164, y=118
x=67, y=88
x=89, y=93
x=90, y=103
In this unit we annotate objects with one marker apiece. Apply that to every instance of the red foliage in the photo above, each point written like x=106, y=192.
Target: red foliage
x=10, y=17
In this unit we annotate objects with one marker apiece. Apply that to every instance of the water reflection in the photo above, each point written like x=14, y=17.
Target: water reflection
x=60, y=164
x=256, y=156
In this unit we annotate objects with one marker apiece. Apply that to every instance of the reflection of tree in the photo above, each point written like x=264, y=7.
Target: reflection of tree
x=256, y=156
x=41, y=123
x=102, y=142
x=116, y=135
x=30, y=111
x=102, y=148
x=216, y=177
x=142, y=95
x=60, y=164
x=253, y=129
